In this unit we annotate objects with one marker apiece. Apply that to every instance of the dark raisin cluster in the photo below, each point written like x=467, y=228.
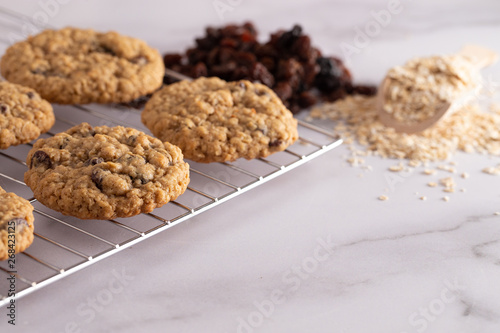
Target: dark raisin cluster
x=288, y=63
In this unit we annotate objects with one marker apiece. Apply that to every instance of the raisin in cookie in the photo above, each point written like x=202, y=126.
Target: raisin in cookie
x=105, y=172
x=212, y=120
x=24, y=115
x=75, y=66
x=16, y=224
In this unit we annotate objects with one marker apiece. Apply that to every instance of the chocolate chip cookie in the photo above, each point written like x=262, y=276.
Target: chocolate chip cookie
x=105, y=172
x=24, y=115
x=16, y=224
x=212, y=120
x=76, y=66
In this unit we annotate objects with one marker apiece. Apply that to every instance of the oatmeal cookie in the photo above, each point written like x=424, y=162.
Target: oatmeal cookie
x=24, y=115
x=212, y=120
x=16, y=224
x=76, y=66
x=105, y=172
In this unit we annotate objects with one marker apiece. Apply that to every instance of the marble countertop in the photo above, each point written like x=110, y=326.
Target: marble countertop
x=312, y=250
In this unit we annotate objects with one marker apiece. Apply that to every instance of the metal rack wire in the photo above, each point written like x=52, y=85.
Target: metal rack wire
x=64, y=245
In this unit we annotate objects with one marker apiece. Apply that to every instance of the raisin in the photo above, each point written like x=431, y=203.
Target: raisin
x=287, y=39
x=38, y=71
x=18, y=223
x=229, y=42
x=105, y=49
x=200, y=69
x=275, y=143
x=30, y=94
x=283, y=90
x=143, y=180
x=250, y=28
x=139, y=60
x=64, y=143
x=260, y=73
x=289, y=68
x=241, y=73
x=4, y=108
x=329, y=76
x=97, y=177
x=224, y=71
x=171, y=59
x=269, y=63
x=137, y=103
x=247, y=37
x=40, y=158
x=94, y=161
x=231, y=30
x=224, y=55
x=307, y=99
x=302, y=47
x=336, y=95
x=204, y=43
x=364, y=90
x=266, y=50
x=310, y=72
x=246, y=59
x=195, y=56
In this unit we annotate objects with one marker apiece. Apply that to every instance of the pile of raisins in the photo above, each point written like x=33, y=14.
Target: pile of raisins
x=299, y=74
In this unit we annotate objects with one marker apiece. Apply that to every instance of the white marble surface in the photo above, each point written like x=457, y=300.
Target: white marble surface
x=259, y=263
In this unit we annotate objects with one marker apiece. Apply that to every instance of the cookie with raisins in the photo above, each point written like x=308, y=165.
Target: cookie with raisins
x=24, y=115
x=77, y=66
x=212, y=120
x=105, y=172
x=16, y=224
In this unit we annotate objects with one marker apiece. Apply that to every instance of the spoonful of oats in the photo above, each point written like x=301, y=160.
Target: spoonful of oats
x=415, y=96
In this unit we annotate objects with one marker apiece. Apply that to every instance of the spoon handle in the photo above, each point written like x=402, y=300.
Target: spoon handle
x=480, y=56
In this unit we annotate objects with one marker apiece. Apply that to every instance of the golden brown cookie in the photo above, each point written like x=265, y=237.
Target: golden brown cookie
x=24, y=115
x=16, y=224
x=212, y=120
x=105, y=172
x=76, y=66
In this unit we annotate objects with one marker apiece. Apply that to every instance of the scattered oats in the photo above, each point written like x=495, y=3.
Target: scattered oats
x=414, y=163
x=446, y=198
x=423, y=198
x=447, y=168
x=462, y=190
x=429, y=172
x=469, y=128
x=360, y=175
x=492, y=170
x=383, y=198
x=465, y=175
x=432, y=184
x=453, y=163
x=447, y=182
x=349, y=140
x=497, y=213
x=360, y=152
x=449, y=189
x=355, y=161
x=397, y=168
x=367, y=167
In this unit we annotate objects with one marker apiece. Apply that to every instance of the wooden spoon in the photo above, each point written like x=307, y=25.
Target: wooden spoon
x=480, y=56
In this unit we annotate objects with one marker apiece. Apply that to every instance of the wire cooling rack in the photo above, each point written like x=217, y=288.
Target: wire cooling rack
x=64, y=245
